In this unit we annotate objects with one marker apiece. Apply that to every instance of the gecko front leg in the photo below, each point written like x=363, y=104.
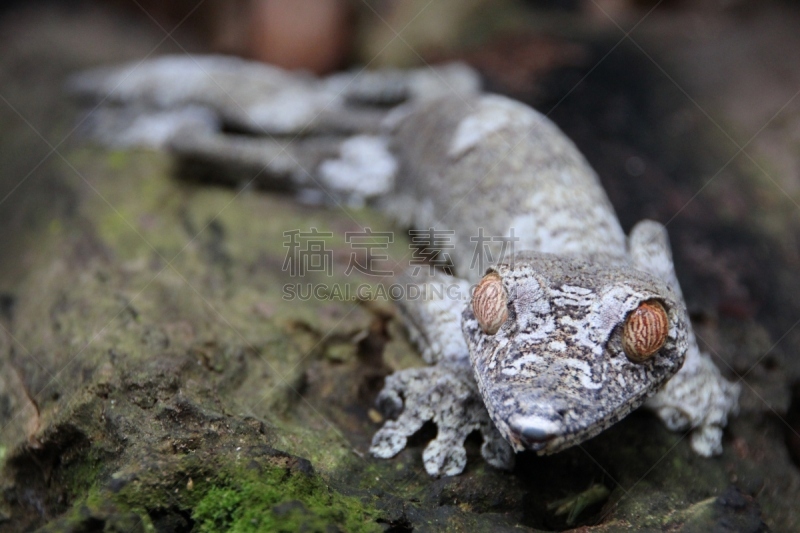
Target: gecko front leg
x=445, y=393
x=698, y=397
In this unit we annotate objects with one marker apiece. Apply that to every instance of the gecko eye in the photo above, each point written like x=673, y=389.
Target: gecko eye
x=489, y=303
x=645, y=331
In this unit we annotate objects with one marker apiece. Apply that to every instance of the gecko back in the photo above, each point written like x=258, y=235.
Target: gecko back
x=489, y=165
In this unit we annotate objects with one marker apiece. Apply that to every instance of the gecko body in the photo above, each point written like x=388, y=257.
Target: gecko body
x=572, y=325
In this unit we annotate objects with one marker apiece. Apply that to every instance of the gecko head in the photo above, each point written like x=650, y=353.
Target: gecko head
x=563, y=348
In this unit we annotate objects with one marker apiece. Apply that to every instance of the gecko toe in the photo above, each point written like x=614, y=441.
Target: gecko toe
x=445, y=457
x=388, y=441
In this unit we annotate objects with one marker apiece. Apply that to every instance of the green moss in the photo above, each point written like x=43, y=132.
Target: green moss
x=82, y=475
x=275, y=501
x=118, y=159
x=99, y=518
x=257, y=497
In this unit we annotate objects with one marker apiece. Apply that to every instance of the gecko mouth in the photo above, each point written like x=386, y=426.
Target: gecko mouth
x=534, y=440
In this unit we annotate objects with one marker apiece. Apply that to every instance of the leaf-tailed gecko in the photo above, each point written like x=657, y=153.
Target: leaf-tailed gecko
x=546, y=348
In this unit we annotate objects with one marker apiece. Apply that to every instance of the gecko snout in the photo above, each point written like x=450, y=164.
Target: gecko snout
x=534, y=431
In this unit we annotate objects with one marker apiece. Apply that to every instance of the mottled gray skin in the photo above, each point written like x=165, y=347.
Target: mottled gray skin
x=446, y=157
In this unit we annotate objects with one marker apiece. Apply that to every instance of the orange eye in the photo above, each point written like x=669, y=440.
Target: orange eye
x=645, y=331
x=489, y=303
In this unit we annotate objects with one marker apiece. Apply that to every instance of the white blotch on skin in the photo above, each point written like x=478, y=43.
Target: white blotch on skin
x=557, y=346
x=544, y=424
x=493, y=114
x=573, y=296
x=156, y=130
x=515, y=366
x=585, y=375
x=365, y=167
x=287, y=111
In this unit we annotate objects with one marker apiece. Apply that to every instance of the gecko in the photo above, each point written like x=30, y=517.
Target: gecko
x=558, y=338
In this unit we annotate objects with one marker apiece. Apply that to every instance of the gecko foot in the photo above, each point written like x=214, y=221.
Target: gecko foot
x=447, y=396
x=700, y=398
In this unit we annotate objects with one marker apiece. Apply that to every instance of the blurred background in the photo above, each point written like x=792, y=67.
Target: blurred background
x=688, y=109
